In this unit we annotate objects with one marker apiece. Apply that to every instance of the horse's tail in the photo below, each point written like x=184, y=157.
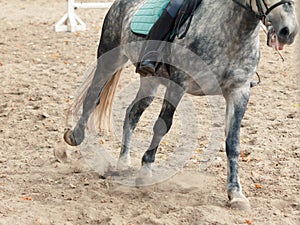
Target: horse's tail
x=101, y=116
x=103, y=111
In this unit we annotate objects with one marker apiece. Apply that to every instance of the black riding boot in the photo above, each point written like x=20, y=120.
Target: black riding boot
x=150, y=51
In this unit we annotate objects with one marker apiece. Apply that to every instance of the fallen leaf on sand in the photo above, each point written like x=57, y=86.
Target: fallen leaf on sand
x=244, y=159
x=258, y=186
x=248, y=222
x=164, y=143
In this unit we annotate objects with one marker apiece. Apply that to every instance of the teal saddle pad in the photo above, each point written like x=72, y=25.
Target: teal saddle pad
x=147, y=15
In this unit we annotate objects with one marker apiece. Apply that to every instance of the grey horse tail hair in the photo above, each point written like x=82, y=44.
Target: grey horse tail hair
x=101, y=117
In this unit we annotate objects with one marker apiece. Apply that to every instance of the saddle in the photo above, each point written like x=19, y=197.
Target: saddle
x=150, y=12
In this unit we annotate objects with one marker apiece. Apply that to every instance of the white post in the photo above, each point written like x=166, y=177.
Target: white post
x=92, y=5
x=71, y=22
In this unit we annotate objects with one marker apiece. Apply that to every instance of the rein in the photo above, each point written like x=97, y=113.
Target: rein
x=261, y=14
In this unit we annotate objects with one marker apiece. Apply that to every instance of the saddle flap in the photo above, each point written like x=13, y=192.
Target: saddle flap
x=147, y=15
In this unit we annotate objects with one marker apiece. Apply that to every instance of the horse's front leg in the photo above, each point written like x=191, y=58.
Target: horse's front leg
x=236, y=103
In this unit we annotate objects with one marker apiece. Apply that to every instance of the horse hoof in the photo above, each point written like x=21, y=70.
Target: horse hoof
x=69, y=138
x=145, y=176
x=239, y=202
x=123, y=163
x=143, y=181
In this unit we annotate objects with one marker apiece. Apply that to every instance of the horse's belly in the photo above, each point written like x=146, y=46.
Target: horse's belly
x=204, y=86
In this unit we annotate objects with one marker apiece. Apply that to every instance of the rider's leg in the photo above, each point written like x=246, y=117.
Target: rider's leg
x=158, y=33
x=174, y=6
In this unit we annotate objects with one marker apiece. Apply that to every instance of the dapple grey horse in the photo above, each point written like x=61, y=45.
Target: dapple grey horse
x=218, y=56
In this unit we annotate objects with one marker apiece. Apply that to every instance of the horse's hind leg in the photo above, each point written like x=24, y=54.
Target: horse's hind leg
x=236, y=103
x=108, y=64
x=144, y=97
x=163, y=124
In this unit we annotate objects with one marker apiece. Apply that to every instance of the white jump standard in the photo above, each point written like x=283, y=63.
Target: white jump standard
x=71, y=22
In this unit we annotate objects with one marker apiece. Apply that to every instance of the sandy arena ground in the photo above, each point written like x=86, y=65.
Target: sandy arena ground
x=40, y=71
